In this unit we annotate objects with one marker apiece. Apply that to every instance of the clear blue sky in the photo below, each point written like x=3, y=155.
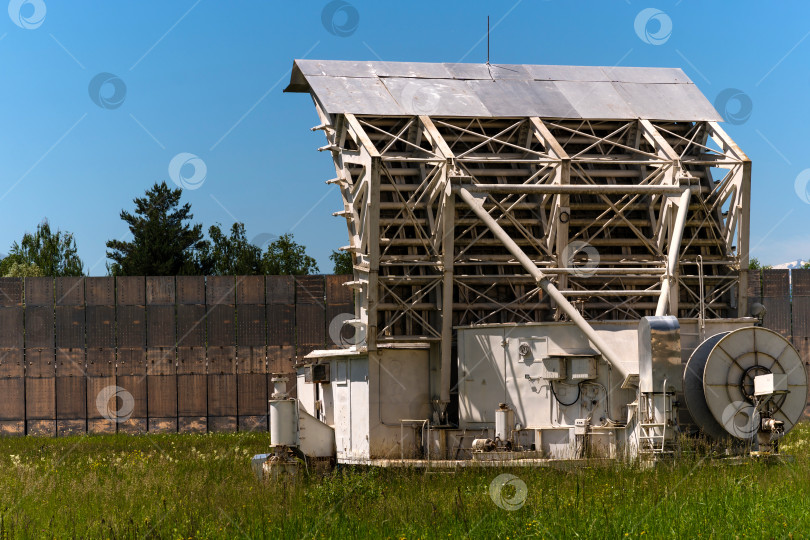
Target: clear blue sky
x=206, y=78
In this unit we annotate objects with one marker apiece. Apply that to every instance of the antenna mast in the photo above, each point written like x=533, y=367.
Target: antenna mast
x=487, y=39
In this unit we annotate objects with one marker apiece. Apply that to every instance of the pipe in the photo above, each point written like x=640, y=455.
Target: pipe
x=544, y=283
x=575, y=188
x=674, y=250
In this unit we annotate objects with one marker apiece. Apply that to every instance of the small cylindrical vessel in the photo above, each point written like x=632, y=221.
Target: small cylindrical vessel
x=283, y=422
x=504, y=421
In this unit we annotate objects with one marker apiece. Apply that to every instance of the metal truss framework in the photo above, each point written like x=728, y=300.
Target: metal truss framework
x=593, y=203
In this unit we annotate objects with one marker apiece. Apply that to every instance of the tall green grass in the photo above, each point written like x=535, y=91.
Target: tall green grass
x=201, y=486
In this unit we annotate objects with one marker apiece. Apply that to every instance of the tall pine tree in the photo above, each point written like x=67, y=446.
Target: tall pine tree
x=163, y=243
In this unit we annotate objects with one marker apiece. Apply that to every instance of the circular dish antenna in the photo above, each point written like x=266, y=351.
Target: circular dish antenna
x=718, y=381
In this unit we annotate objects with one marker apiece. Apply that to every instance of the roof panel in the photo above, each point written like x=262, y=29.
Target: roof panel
x=508, y=97
x=567, y=73
x=468, y=71
x=435, y=97
x=336, y=68
x=647, y=75
x=404, y=88
x=594, y=100
x=418, y=70
x=667, y=101
x=509, y=71
x=362, y=96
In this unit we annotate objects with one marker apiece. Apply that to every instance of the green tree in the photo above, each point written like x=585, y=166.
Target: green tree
x=754, y=264
x=52, y=253
x=230, y=255
x=163, y=243
x=342, y=261
x=21, y=269
x=286, y=257
x=806, y=266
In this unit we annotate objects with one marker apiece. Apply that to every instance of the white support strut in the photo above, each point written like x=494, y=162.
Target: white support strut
x=544, y=283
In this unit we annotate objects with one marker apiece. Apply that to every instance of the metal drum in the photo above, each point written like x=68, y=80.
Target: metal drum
x=718, y=381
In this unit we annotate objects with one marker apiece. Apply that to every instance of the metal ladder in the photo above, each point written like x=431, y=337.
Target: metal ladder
x=649, y=441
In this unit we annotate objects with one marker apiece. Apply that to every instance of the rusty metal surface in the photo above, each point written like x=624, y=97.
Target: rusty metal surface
x=280, y=325
x=40, y=398
x=101, y=362
x=12, y=406
x=70, y=326
x=162, y=425
x=250, y=290
x=309, y=290
x=99, y=291
x=801, y=306
x=160, y=326
x=71, y=398
x=222, y=424
x=776, y=299
x=221, y=360
x=280, y=359
x=130, y=290
x=131, y=327
x=135, y=386
x=190, y=289
x=160, y=290
x=70, y=291
x=220, y=290
x=11, y=327
x=221, y=395
x=39, y=291
x=95, y=387
x=220, y=325
x=339, y=305
x=192, y=395
x=39, y=331
x=754, y=284
x=389, y=88
x=251, y=325
x=100, y=325
x=258, y=423
x=40, y=363
x=190, y=325
x=11, y=292
x=11, y=364
x=131, y=362
x=191, y=360
x=70, y=362
x=801, y=281
x=310, y=322
x=252, y=394
x=162, y=396
x=251, y=359
x=280, y=289
x=161, y=361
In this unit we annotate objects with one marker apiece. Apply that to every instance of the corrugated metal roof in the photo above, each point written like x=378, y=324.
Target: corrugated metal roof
x=478, y=90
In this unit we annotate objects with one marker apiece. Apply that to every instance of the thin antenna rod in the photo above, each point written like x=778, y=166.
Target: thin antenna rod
x=487, y=39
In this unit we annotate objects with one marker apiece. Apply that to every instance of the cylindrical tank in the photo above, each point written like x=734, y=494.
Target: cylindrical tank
x=283, y=422
x=718, y=382
x=504, y=422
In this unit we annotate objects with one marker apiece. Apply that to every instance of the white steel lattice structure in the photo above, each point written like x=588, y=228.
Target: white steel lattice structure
x=478, y=194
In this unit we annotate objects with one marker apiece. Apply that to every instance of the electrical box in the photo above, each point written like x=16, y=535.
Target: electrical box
x=583, y=368
x=580, y=426
x=554, y=368
x=316, y=373
x=772, y=383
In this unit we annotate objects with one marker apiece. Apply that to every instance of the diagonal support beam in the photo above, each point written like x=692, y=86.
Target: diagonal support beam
x=475, y=204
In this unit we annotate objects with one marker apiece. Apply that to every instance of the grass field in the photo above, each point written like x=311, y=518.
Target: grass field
x=201, y=486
